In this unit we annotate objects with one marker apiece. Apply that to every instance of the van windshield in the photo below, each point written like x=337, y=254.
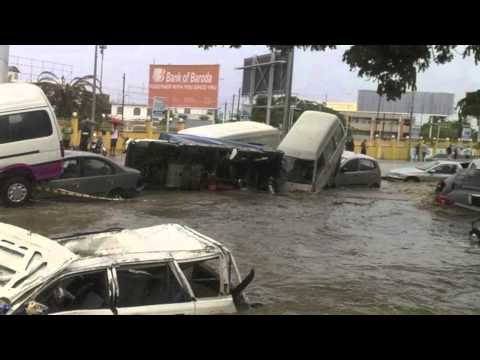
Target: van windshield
x=298, y=170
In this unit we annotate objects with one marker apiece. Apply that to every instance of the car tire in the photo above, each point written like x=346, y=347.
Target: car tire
x=375, y=186
x=412, y=179
x=117, y=194
x=15, y=191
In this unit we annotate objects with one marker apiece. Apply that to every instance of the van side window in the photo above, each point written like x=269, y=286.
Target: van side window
x=330, y=149
x=338, y=134
x=320, y=164
x=25, y=126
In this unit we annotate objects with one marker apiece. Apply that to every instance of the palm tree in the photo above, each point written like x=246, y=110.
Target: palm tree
x=67, y=97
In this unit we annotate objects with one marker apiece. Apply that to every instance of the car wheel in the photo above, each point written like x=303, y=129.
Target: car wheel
x=375, y=185
x=412, y=179
x=117, y=194
x=15, y=192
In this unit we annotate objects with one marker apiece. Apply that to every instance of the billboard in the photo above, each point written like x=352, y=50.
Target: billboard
x=255, y=79
x=184, y=86
x=440, y=104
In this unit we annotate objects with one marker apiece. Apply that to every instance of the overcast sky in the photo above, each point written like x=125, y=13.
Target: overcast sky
x=317, y=74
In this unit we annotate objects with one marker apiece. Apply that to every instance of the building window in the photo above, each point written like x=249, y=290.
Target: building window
x=119, y=110
x=137, y=111
x=187, y=111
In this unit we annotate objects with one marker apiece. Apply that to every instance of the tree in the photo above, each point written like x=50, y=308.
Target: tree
x=394, y=67
x=468, y=106
x=74, y=96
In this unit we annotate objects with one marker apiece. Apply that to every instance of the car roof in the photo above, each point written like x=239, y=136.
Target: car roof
x=161, y=242
x=21, y=95
x=349, y=155
x=231, y=129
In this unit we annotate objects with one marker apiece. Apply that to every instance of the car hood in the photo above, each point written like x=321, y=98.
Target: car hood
x=407, y=171
x=27, y=260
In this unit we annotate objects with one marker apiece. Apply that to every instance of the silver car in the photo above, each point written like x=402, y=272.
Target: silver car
x=461, y=189
x=429, y=171
x=92, y=174
x=358, y=170
x=161, y=270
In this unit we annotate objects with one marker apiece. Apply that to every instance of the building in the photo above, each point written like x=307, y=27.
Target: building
x=133, y=112
x=375, y=116
x=342, y=106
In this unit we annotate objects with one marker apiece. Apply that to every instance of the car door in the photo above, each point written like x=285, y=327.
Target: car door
x=368, y=173
x=71, y=176
x=151, y=289
x=91, y=291
x=98, y=176
x=441, y=172
x=208, y=282
x=349, y=174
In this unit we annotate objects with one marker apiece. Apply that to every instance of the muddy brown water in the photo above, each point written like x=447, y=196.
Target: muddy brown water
x=386, y=251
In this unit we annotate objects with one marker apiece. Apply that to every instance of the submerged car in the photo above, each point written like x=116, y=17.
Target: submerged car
x=358, y=170
x=164, y=269
x=93, y=174
x=461, y=189
x=429, y=171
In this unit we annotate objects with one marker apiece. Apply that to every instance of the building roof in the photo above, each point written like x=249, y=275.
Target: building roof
x=21, y=95
x=230, y=129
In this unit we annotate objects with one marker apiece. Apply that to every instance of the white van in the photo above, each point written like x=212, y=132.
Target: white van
x=251, y=132
x=313, y=149
x=31, y=148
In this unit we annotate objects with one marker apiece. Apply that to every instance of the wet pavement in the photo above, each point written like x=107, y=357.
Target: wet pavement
x=342, y=251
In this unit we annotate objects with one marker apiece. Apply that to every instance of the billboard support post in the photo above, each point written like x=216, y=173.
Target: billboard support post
x=238, y=105
x=288, y=93
x=270, y=88
x=225, y=113
x=167, y=127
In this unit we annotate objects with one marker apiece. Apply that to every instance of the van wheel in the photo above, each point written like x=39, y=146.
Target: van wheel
x=15, y=192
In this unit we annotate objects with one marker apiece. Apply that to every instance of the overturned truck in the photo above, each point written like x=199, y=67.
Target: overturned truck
x=191, y=162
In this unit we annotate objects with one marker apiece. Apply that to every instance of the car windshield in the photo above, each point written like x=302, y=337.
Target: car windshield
x=427, y=165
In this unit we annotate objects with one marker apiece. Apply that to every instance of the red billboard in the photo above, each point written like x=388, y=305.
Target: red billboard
x=184, y=86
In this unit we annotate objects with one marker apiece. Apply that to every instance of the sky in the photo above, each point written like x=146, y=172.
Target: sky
x=317, y=75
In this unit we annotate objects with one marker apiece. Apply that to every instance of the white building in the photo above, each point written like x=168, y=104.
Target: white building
x=133, y=112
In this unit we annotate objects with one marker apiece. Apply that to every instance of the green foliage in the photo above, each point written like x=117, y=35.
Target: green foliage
x=74, y=96
x=448, y=129
x=394, y=67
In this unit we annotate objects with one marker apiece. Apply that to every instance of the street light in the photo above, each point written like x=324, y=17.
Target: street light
x=102, y=49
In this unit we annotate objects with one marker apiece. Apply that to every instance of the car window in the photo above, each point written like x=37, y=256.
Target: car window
x=149, y=285
x=329, y=149
x=427, y=165
x=366, y=164
x=445, y=169
x=86, y=291
x=96, y=167
x=203, y=277
x=350, y=166
x=71, y=169
x=25, y=126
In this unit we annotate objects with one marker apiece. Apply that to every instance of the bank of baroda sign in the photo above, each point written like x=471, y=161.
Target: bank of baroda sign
x=184, y=86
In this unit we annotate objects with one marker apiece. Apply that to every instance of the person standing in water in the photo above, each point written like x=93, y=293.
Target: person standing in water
x=113, y=141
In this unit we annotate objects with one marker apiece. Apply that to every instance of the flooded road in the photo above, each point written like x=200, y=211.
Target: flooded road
x=386, y=251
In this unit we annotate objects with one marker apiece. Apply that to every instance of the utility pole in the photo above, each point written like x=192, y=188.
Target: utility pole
x=4, y=54
x=225, y=113
x=102, y=50
x=410, y=129
x=94, y=99
x=123, y=98
x=233, y=105
x=238, y=105
x=286, y=106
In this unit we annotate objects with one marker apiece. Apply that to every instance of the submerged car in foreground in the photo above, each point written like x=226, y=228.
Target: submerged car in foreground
x=164, y=269
x=358, y=170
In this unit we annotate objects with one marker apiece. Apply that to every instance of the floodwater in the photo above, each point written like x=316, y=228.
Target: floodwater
x=386, y=251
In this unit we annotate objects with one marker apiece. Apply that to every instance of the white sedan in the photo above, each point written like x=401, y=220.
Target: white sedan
x=429, y=171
